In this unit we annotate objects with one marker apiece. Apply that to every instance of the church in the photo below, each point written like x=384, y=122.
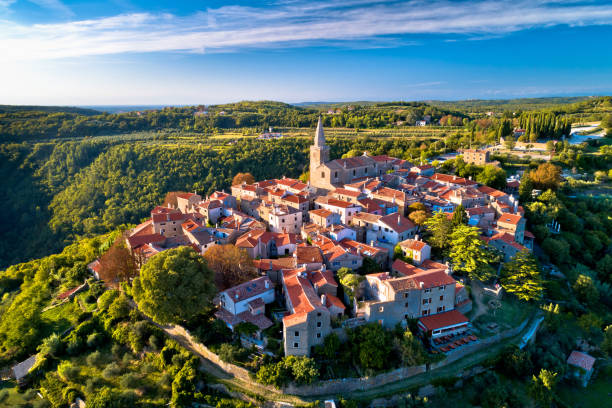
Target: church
x=329, y=174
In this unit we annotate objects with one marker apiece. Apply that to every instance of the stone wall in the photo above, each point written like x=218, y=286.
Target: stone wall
x=481, y=344
x=342, y=385
x=345, y=385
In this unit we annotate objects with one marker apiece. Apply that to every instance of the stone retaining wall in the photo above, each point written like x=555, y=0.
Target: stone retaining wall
x=342, y=385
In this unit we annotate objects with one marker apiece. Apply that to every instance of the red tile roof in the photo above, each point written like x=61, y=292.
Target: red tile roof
x=582, y=360
x=331, y=300
x=513, y=219
x=441, y=320
x=491, y=191
x=397, y=222
x=321, y=212
x=334, y=202
x=413, y=244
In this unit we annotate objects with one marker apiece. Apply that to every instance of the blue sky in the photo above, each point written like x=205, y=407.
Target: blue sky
x=80, y=52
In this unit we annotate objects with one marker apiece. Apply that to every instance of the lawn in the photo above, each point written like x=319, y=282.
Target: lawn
x=511, y=313
x=11, y=397
x=60, y=318
x=597, y=394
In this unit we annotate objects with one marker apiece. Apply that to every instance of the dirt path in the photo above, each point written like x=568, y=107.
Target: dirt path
x=477, y=295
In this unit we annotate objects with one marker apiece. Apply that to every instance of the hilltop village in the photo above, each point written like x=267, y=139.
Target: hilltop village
x=350, y=216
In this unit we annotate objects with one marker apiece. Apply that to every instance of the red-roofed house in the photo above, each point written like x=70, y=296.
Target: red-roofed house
x=307, y=295
x=186, y=201
x=416, y=250
x=444, y=324
x=345, y=209
x=581, y=366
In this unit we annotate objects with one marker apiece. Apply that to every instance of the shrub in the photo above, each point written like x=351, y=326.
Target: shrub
x=29, y=394
x=107, y=299
x=3, y=395
x=128, y=381
x=93, y=384
x=94, y=340
x=68, y=372
x=111, y=371
x=51, y=346
x=95, y=359
x=228, y=352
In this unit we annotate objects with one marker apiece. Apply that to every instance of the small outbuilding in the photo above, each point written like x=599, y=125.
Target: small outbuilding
x=581, y=366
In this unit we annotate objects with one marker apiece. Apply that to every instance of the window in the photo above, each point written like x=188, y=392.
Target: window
x=381, y=309
x=296, y=345
x=319, y=314
x=336, y=174
x=406, y=295
x=318, y=335
x=427, y=290
x=425, y=312
x=439, y=309
x=443, y=287
x=297, y=334
x=366, y=170
x=354, y=262
x=323, y=174
x=283, y=220
x=442, y=297
x=354, y=172
x=406, y=304
x=318, y=324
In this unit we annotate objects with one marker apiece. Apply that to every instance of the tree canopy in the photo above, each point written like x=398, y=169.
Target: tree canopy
x=174, y=286
x=230, y=265
x=522, y=277
x=470, y=254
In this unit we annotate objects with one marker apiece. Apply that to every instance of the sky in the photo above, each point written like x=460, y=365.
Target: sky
x=137, y=52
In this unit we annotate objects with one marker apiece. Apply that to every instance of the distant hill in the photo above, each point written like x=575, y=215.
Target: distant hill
x=48, y=109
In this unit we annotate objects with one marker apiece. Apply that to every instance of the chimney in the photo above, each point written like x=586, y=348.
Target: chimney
x=372, y=243
x=421, y=285
x=267, y=283
x=417, y=238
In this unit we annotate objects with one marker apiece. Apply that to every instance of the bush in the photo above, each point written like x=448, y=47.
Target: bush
x=95, y=359
x=94, y=340
x=93, y=384
x=107, y=299
x=3, y=395
x=129, y=381
x=229, y=352
x=68, y=372
x=111, y=371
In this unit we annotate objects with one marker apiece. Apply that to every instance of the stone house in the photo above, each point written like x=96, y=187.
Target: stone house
x=416, y=250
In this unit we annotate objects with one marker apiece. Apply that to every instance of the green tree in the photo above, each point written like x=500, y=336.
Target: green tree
x=585, y=289
x=522, y=277
x=459, y=216
x=492, y=176
x=174, y=285
x=542, y=387
x=439, y=228
x=471, y=255
x=525, y=187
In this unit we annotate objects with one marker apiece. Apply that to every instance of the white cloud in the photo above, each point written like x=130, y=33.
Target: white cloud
x=288, y=24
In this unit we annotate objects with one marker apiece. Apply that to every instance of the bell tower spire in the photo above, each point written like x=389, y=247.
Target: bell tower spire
x=319, y=135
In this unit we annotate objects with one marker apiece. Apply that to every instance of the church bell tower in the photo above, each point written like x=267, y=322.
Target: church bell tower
x=319, y=152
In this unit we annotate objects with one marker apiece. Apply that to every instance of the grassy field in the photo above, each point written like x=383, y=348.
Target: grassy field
x=510, y=314
x=60, y=318
x=597, y=394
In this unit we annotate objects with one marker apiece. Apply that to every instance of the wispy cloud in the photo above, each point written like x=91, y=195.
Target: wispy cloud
x=289, y=24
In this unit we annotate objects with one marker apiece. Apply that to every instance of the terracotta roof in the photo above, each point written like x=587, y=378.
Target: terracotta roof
x=506, y=238
x=274, y=264
x=210, y=204
x=441, y=320
x=334, y=202
x=582, y=360
x=429, y=264
x=433, y=279
x=249, y=239
x=391, y=193
x=249, y=289
x=404, y=283
x=367, y=217
x=404, y=268
x=331, y=300
x=137, y=240
x=308, y=254
x=320, y=278
x=66, y=294
x=528, y=234
x=349, y=193
x=361, y=248
x=397, y=222
x=321, y=212
x=256, y=303
x=413, y=244
x=491, y=191
x=301, y=295
x=513, y=184
x=513, y=219
x=479, y=211
x=352, y=162
x=447, y=178
x=186, y=196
